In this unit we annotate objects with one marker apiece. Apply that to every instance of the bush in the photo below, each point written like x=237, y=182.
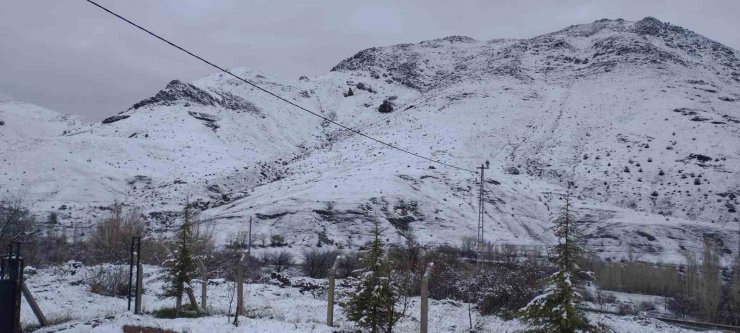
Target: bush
x=111, y=238
x=316, y=263
x=280, y=261
x=647, y=306
x=171, y=313
x=350, y=265
x=110, y=281
x=448, y=274
x=225, y=263
x=16, y=222
x=505, y=289
x=684, y=306
x=277, y=240
x=238, y=240
x=155, y=251
x=626, y=310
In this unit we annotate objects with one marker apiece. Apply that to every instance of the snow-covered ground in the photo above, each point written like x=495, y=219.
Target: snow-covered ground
x=63, y=294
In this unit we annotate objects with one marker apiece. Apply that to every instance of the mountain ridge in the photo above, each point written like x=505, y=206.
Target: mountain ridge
x=635, y=113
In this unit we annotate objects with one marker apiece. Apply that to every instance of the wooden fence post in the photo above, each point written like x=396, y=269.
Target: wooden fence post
x=139, y=288
x=191, y=297
x=330, y=293
x=240, y=288
x=34, y=306
x=203, y=286
x=425, y=298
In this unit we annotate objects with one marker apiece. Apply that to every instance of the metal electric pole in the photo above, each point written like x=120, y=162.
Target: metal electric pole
x=481, y=208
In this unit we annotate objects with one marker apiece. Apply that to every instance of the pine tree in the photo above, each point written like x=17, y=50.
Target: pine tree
x=182, y=267
x=373, y=304
x=555, y=310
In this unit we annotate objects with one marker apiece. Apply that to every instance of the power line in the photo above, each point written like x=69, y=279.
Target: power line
x=278, y=96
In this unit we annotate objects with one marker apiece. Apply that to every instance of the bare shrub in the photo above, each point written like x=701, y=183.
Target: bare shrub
x=683, y=305
x=350, y=265
x=225, y=263
x=316, y=263
x=111, y=237
x=238, y=240
x=203, y=244
x=626, y=309
x=467, y=246
x=647, y=306
x=17, y=224
x=448, y=274
x=280, y=261
x=505, y=288
x=155, y=251
x=109, y=281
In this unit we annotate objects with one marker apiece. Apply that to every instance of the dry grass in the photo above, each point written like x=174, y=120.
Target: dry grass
x=145, y=329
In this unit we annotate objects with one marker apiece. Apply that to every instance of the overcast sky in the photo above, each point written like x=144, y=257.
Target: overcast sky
x=72, y=57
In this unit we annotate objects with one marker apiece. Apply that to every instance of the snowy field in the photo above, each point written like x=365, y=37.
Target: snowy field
x=63, y=294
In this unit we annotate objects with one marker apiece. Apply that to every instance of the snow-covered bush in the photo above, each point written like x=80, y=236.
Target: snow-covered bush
x=277, y=241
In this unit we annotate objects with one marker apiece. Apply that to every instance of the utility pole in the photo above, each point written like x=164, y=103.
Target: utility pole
x=479, y=242
x=481, y=208
x=249, y=240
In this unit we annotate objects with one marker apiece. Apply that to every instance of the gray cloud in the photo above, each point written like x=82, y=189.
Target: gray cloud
x=71, y=57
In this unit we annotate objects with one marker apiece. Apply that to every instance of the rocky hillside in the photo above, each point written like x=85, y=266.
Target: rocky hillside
x=643, y=118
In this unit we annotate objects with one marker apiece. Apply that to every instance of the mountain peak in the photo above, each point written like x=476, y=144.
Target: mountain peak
x=456, y=39
x=652, y=26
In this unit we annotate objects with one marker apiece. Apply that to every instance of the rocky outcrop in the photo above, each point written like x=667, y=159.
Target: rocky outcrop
x=115, y=118
x=208, y=119
x=203, y=116
x=177, y=92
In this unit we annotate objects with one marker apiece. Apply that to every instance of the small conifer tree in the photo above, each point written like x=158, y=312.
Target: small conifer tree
x=182, y=266
x=373, y=303
x=555, y=310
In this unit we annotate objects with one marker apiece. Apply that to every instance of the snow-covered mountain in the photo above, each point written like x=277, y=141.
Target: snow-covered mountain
x=643, y=117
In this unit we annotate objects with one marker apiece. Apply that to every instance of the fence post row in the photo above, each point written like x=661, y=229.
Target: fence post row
x=330, y=293
x=424, y=317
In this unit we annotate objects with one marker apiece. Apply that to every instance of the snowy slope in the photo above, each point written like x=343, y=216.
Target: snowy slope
x=643, y=117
